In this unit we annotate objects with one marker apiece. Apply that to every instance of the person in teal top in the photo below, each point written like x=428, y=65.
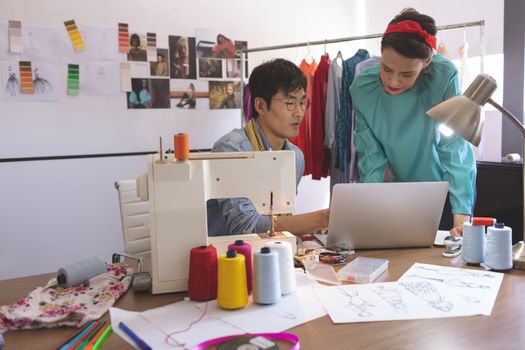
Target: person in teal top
x=394, y=138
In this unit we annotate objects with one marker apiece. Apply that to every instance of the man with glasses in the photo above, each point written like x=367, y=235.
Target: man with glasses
x=279, y=102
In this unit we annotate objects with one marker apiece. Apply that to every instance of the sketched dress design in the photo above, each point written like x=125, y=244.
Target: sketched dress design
x=355, y=302
x=392, y=296
x=41, y=85
x=12, y=86
x=428, y=293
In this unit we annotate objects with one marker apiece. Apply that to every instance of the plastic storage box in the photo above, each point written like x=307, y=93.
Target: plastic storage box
x=363, y=270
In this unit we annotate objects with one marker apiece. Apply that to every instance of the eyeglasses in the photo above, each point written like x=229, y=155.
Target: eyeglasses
x=292, y=103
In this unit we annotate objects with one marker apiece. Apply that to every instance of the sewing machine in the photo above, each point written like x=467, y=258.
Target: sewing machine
x=178, y=192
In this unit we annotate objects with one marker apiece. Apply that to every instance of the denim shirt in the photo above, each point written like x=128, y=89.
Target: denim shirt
x=238, y=215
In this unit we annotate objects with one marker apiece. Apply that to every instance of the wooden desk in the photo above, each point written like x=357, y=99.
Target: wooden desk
x=504, y=329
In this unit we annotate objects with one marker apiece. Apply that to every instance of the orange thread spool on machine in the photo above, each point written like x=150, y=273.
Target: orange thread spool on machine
x=182, y=146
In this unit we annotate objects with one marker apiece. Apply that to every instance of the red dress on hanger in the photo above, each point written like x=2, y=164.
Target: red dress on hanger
x=319, y=154
x=303, y=139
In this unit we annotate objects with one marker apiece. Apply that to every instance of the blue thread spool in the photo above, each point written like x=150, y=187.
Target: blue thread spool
x=266, y=277
x=473, y=243
x=499, y=247
x=79, y=272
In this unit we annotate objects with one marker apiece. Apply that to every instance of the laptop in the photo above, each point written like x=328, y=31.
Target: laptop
x=385, y=215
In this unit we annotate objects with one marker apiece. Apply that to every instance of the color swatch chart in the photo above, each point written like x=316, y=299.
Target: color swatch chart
x=123, y=38
x=15, y=36
x=152, y=46
x=26, y=78
x=74, y=35
x=73, y=79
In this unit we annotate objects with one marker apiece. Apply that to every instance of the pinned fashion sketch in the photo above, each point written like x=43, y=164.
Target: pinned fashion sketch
x=41, y=84
x=45, y=79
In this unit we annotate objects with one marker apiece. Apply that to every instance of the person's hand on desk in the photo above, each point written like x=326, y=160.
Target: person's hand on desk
x=459, y=219
x=303, y=223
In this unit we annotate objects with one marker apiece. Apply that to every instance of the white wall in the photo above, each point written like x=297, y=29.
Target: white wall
x=56, y=212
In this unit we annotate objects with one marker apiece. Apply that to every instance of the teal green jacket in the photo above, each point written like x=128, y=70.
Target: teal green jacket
x=395, y=130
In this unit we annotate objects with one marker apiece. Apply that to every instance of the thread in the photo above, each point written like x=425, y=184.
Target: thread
x=232, y=290
x=499, y=247
x=79, y=272
x=267, y=279
x=245, y=249
x=182, y=146
x=512, y=158
x=286, y=268
x=473, y=243
x=202, y=283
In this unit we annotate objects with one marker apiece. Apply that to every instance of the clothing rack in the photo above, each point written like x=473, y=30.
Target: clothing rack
x=480, y=24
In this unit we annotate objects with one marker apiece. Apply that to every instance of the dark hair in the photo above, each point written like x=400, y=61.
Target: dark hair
x=410, y=44
x=134, y=36
x=223, y=36
x=272, y=77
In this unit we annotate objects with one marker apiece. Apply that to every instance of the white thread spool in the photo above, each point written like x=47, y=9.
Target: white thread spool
x=512, y=158
x=79, y=272
x=473, y=243
x=499, y=247
x=286, y=268
x=266, y=277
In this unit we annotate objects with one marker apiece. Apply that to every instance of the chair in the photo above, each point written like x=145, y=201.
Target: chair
x=134, y=215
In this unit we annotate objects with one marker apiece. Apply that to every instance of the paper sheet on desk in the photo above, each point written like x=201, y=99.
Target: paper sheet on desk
x=440, y=237
x=424, y=291
x=154, y=325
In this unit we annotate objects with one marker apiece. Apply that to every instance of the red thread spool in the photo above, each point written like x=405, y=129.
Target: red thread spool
x=182, y=146
x=245, y=249
x=202, y=284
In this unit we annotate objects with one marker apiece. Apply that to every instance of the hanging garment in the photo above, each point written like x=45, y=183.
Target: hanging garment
x=302, y=139
x=247, y=103
x=320, y=156
x=344, y=119
x=332, y=109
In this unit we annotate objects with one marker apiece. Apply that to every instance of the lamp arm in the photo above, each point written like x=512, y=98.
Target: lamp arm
x=509, y=115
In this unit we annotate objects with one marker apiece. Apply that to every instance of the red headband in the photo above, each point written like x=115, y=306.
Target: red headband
x=409, y=26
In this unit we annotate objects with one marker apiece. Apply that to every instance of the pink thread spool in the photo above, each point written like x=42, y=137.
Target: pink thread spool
x=245, y=249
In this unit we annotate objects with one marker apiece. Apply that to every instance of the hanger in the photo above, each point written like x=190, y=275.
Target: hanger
x=339, y=58
x=297, y=60
x=325, y=53
x=309, y=58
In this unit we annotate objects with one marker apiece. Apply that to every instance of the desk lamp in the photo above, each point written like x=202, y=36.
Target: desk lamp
x=462, y=114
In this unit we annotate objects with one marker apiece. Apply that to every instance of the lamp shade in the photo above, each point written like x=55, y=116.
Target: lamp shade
x=462, y=113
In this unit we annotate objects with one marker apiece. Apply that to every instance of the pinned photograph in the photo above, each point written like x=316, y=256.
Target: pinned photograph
x=137, y=48
x=225, y=94
x=182, y=57
x=210, y=68
x=213, y=46
x=160, y=67
x=189, y=94
x=148, y=93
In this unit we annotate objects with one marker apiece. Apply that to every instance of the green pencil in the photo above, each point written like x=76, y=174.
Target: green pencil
x=102, y=338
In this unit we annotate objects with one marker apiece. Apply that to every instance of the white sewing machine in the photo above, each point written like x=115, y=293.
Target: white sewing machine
x=178, y=192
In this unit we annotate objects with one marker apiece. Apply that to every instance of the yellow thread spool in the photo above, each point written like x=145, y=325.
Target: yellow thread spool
x=232, y=290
